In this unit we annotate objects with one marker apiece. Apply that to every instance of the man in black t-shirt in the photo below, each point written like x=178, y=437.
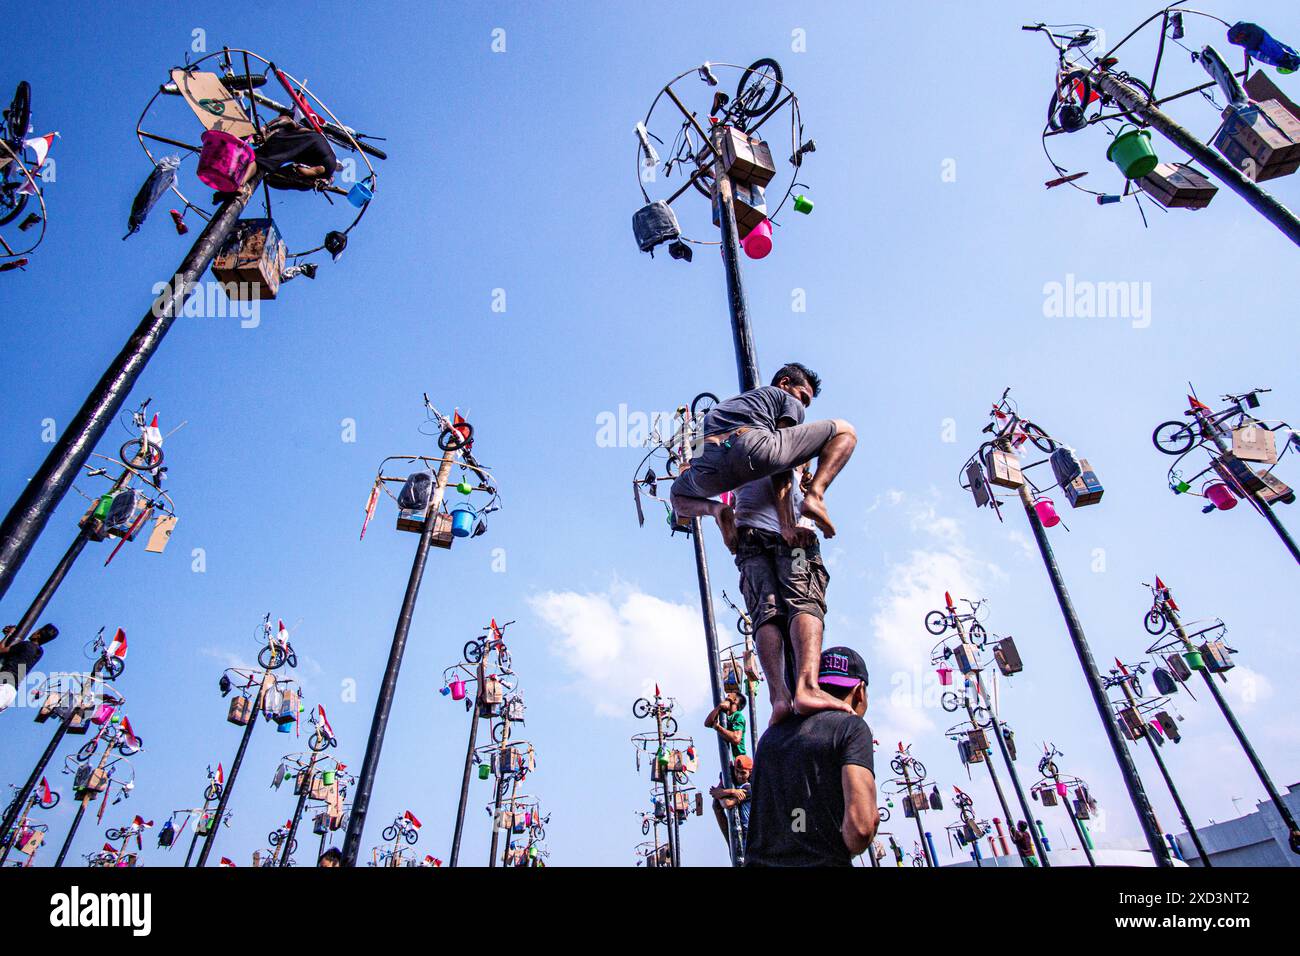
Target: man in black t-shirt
x=17, y=658
x=814, y=789
x=760, y=434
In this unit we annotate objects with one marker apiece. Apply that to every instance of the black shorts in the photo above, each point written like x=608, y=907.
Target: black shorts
x=779, y=582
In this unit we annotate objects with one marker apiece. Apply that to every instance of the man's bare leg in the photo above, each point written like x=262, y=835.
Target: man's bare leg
x=771, y=656
x=806, y=634
x=834, y=456
x=725, y=515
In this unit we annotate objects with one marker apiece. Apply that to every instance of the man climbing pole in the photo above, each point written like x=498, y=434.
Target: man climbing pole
x=761, y=434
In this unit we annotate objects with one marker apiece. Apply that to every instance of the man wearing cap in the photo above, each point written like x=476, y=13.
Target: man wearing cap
x=724, y=798
x=814, y=787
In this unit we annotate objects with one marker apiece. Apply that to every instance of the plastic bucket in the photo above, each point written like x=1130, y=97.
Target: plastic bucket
x=222, y=160
x=327, y=777
x=484, y=771
x=1046, y=512
x=759, y=241
x=457, y=689
x=465, y=488
x=803, y=204
x=284, y=728
x=1132, y=152
x=945, y=676
x=1220, y=496
x=1061, y=789
x=462, y=521
x=360, y=194
x=1194, y=660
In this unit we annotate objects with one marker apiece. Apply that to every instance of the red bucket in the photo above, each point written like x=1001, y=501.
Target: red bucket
x=223, y=160
x=1220, y=496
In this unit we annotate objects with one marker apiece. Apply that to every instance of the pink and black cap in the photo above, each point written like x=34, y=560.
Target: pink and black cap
x=842, y=667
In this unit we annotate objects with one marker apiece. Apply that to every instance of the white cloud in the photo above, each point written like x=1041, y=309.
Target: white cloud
x=620, y=642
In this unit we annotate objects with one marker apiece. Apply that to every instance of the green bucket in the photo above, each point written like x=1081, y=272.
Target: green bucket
x=1132, y=152
x=803, y=204
x=327, y=777
x=1194, y=660
x=484, y=771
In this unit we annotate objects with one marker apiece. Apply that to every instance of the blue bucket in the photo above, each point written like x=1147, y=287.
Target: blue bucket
x=462, y=521
x=360, y=194
x=284, y=728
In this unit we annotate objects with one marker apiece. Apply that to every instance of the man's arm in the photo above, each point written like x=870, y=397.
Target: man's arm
x=712, y=719
x=728, y=797
x=861, y=815
x=732, y=737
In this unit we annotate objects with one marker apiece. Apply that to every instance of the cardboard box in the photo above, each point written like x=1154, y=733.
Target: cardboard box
x=1130, y=721
x=1086, y=489
x=1178, y=186
x=966, y=657
x=412, y=520
x=979, y=486
x=1261, y=88
x=978, y=741
x=251, y=260
x=1169, y=726
x=1004, y=469
x=241, y=711
x=1007, y=657
x=1275, y=489
x=1048, y=796
x=1255, y=443
x=747, y=159
x=1238, y=475
x=1217, y=657
x=750, y=203
x=1266, y=133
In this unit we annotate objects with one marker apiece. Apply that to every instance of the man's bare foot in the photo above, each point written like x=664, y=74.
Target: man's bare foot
x=727, y=525
x=814, y=507
x=809, y=699
x=780, y=711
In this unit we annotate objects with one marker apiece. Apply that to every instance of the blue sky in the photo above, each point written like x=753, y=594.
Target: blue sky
x=514, y=171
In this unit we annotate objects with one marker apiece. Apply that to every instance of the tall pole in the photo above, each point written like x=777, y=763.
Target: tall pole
x=662, y=765
x=970, y=715
x=22, y=796
x=1137, y=103
x=297, y=811
x=224, y=799
x=1015, y=782
x=194, y=835
x=514, y=792
x=1133, y=783
x=742, y=336
x=384, y=705
x=46, y=488
x=916, y=815
x=72, y=831
x=500, y=786
x=715, y=679
x=469, y=767
x=1256, y=764
x=1211, y=428
x=1078, y=828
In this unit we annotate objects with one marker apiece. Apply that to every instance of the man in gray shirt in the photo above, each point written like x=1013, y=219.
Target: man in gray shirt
x=760, y=434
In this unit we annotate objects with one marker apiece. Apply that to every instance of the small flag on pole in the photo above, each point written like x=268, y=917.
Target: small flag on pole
x=131, y=739
x=324, y=721
x=117, y=646
x=46, y=796
x=408, y=815
x=283, y=633
x=227, y=861
x=221, y=775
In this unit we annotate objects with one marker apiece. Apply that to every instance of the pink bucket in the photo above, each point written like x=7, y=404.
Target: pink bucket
x=1220, y=496
x=1046, y=512
x=945, y=676
x=457, y=690
x=223, y=160
x=102, y=713
x=1061, y=789
x=759, y=241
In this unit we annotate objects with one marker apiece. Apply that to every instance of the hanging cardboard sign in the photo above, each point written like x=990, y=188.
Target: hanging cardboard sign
x=163, y=526
x=1254, y=443
x=215, y=106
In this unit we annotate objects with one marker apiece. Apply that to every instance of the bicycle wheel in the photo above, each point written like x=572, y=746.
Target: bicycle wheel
x=318, y=742
x=539, y=833
x=897, y=766
x=884, y=814
x=270, y=657
x=19, y=115
x=682, y=777
x=977, y=634
x=88, y=750
x=112, y=666
x=1047, y=769
x=503, y=658
x=936, y=622
x=411, y=836
x=137, y=453
x=744, y=626
x=473, y=652
x=390, y=833
x=918, y=861
x=53, y=802
x=274, y=837
x=759, y=86
x=113, y=834
x=12, y=203
x=702, y=404
x=126, y=748
x=918, y=769
x=1173, y=438
x=645, y=827
x=950, y=702
x=670, y=727
x=450, y=439
x=1155, y=622
x=212, y=791
x=1037, y=437
x=641, y=708
x=292, y=658
x=967, y=817
x=498, y=731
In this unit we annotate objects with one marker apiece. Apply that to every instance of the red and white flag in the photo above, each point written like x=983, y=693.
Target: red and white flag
x=46, y=796
x=1164, y=593
x=131, y=739
x=283, y=632
x=109, y=848
x=415, y=822
x=117, y=646
x=40, y=145
x=221, y=774
x=227, y=861
x=153, y=433
x=324, y=721
x=1196, y=405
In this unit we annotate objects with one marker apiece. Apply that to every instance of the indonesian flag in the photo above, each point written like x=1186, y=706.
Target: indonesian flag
x=117, y=646
x=153, y=433
x=371, y=504
x=227, y=861
x=340, y=766
x=324, y=721
x=496, y=631
x=221, y=774
x=947, y=598
x=131, y=738
x=284, y=632
x=46, y=796
x=415, y=822
x=1164, y=592
x=140, y=821
x=656, y=689
x=462, y=428
x=1197, y=406
x=109, y=848
x=1122, y=669
x=40, y=145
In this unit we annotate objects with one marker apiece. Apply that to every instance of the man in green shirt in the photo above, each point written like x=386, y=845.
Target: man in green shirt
x=728, y=720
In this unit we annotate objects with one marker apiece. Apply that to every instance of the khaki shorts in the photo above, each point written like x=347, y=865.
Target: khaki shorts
x=778, y=582
x=751, y=455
